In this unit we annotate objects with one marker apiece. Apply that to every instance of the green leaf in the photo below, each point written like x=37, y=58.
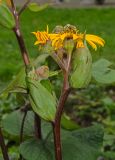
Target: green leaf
x=46, y=129
x=93, y=136
x=83, y=144
x=75, y=150
x=19, y=83
x=102, y=72
x=67, y=123
x=35, y=149
x=109, y=155
x=47, y=84
x=36, y=7
x=12, y=123
x=42, y=101
x=54, y=73
x=81, y=66
x=74, y=146
x=6, y=17
x=16, y=85
x=40, y=60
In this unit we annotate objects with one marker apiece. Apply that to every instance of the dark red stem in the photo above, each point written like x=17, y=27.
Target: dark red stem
x=22, y=46
x=57, y=124
x=19, y=37
x=63, y=98
x=3, y=146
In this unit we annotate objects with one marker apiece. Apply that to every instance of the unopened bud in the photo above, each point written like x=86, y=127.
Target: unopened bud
x=42, y=72
x=58, y=29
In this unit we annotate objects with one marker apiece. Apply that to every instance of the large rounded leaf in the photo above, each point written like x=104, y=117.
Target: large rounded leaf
x=12, y=123
x=68, y=124
x=102, y=71
x=35, y=149
x=83, y=144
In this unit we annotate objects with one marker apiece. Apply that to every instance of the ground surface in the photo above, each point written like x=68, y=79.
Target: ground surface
x=73, y=3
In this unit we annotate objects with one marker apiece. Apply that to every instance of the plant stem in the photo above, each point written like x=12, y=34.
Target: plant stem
x=57, y=124
x=22, y=46
x=59, y=62
x=22, y=127
x=57, y=141
x=22, y=130
x=37, y=123
x=19, y=37
x=12, y=3
x=63, y=98
x=3, y=147
x=24, y=7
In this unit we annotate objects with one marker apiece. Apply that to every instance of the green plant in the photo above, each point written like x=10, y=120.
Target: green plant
x=42, y=107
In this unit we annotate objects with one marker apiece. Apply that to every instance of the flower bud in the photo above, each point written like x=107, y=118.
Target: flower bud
x=81, y=68
x=45, y=108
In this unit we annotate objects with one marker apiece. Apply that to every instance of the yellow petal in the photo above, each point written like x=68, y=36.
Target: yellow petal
x=75, y=36
x=34, y=33
x=92, y=44
x=80, y=44
x=37, y=42
x=95, y=39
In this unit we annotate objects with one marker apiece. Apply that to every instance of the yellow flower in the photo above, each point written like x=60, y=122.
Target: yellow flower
x=57, y=39
x=93, y=40
x=42, y=37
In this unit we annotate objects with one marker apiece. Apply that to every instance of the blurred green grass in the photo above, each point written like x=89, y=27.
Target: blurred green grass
x=95, y=21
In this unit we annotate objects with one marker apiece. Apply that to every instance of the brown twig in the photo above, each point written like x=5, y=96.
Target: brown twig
x=3, y=146
x=24, y=7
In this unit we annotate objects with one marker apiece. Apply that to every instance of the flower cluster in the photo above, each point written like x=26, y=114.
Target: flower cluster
x=60, y=34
